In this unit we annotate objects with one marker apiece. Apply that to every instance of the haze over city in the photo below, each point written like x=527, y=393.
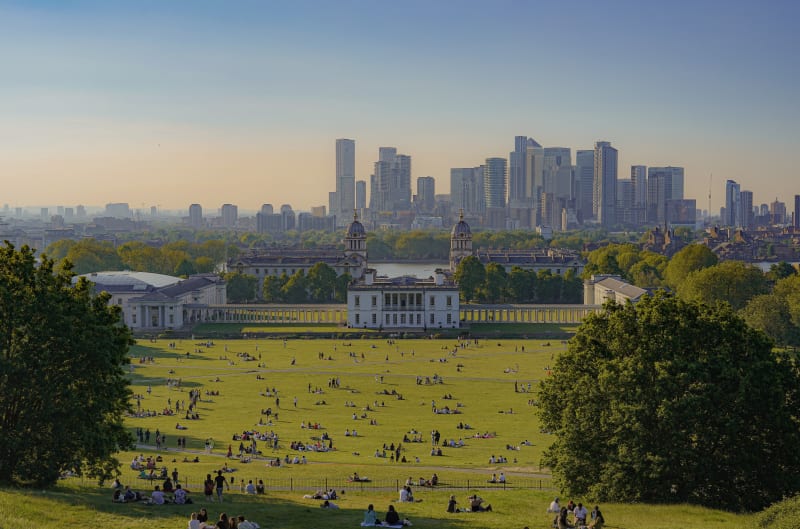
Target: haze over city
x=206, y=102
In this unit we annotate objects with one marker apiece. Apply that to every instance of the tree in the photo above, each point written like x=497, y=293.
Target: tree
x=272, y=291
x=91, y=255
x=769, y=313
x=782, y=270
x=470, y=275
x=677, y=401
x=496, y=283
x=294, y=291
x=63, y=389
x=240, y=288
x=732, y=282
x=690, y=259
x=321, y=282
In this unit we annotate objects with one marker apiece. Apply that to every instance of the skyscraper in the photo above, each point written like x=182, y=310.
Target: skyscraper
x=466, y=190
x=733, y=210
x=639, y=182
x=746, y=201
x=426, y=194
x=516, y=171
x=361, y=194
x=230, y=215
x=584, y=183
x=391, y=188
x=797, y=211
x=196, y=216
x=494, y=183
x=343, y=200
x=663, y=184
x=605, y=183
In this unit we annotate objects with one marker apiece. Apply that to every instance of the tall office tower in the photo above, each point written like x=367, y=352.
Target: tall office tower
x=639, y=182
x=625, y=197
x=584, y=179
x=392, y=186
x=466, y=190
x=344, y=199
x=534, y=171
x=44, y=213
x=267, y=209
x=361, y=194
x=196, y=216
x=494, y=183
x=639, y=189
x=516, y=172
x=557, y=172
x=80, y=211
x=230, y=215
x=426, y=194
x=661, y=188
x=733, y=210
x=797, y=211
x=777, y=212
x=69, y=214
x=748, y=218
x=605, y=183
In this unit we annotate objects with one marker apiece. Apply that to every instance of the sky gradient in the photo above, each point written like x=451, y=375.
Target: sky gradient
x=171, y=103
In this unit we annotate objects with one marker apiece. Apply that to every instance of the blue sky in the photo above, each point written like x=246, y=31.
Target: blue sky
x=178, y=102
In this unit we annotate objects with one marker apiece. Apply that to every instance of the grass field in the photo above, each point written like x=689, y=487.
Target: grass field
x=488, y=382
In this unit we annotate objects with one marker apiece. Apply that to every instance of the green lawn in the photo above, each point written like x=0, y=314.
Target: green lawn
x=480, y=377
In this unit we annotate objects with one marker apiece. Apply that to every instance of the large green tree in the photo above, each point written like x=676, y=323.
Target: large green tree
x=732, y=282
x=690, y=259
x=321, y=282
x=676, y=401
x=240, y=288
x=63, y=390
x=470, y=275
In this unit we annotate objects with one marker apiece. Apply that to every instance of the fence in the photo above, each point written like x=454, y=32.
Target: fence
x=310, y=485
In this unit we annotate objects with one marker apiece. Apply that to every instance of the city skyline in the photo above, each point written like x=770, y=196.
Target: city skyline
x=174, y=104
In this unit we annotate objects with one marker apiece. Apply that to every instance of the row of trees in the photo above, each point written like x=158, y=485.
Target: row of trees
x=319, y=285
x=492, y=284
x=768, y=301
x=180, y=258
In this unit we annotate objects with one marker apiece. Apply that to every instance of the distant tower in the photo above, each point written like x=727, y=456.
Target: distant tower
x=494, y=182
x=460, y=242
x=355, y=246
x=605, y=183
x=196, y=216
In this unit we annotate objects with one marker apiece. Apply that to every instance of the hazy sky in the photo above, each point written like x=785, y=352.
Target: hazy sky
x=170, y=103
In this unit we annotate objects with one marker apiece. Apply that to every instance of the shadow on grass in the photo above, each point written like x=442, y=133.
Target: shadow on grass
x=266, y=510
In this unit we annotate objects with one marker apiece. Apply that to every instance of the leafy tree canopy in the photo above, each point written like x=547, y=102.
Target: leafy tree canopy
x=690, y=259
x=63, y=390
x=673, y=401
x=732, y=282
x=240, y=288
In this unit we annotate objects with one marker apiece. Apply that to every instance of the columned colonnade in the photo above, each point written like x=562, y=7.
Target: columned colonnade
x=337, y=314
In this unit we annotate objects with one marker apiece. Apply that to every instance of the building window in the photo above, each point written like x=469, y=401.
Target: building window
x=387, y=319
x=403, y=319
x=171, y=319
x=449, y=319
x=374, y=301
x=133, y=318
x=387, y=300
x=433, y=301
x=374, y=319
x=358, y=319
x=357, y=301
x=449, y=301
x=119, y=301
x=432, y=320
x=394, y=319
x=257, y=271
x=419, y=319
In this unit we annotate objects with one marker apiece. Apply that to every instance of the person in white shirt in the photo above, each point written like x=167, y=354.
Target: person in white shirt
x=157, y=497
x=580, y=514
x=250, y=488
x=179, y=495
x=194, y=523
x=246, y=524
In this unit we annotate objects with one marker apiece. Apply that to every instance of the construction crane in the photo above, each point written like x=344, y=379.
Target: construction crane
x=710, y=181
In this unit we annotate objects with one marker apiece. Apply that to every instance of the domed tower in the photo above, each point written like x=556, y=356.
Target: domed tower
x=355, y=246
x=460, y=242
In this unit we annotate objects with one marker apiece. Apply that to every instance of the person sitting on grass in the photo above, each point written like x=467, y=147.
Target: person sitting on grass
x=157, y=497
x=598, y=522
x=370, y=517
x=451, y=505
x=392, y=517
x=476, y=504
x=327, y=504
x=561, y=520
x=180, y=497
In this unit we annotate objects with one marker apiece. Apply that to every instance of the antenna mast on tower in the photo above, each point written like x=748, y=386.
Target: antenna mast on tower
x=710, y=181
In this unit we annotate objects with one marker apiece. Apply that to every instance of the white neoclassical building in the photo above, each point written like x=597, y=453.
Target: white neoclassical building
x=604, y=287
x=158, y=302
x=378, y=302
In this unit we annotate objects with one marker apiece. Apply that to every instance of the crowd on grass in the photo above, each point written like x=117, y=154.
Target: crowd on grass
x=572, y=516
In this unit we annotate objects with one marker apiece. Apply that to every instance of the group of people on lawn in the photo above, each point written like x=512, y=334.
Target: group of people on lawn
x=575, y=516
